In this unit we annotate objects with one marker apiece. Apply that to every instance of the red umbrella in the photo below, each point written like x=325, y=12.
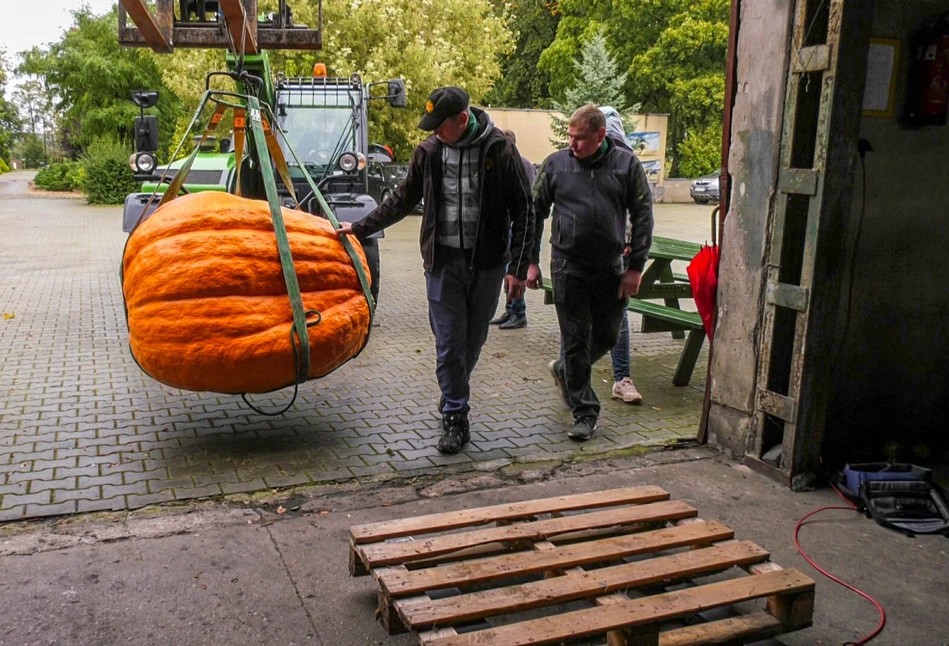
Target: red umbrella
x=703, y=276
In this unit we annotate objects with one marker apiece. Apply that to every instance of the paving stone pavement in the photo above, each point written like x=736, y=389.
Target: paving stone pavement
x=83, y=429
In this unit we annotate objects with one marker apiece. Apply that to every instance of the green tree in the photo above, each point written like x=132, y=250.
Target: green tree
x=597, y=81
x=684, y=73
x=92, y=78
x=673, y=51
x=183, y=73
x=9, y=117
x=701, y=151
x=28, y=96
x=29, y=148
x=107, y=178
x=522, y=84
x=426, y=43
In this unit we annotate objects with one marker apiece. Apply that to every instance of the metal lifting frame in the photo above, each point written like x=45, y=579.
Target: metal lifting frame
x=162, y=32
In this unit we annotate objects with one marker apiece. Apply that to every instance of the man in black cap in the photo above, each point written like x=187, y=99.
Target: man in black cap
x=476, y=221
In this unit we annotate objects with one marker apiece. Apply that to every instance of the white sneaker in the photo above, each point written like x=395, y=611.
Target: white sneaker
x=626, y=391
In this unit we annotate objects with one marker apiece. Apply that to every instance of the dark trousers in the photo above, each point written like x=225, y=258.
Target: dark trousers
x=461, y=302
x=590, y=316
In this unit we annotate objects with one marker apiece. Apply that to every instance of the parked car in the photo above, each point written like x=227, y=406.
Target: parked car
x=705, y=188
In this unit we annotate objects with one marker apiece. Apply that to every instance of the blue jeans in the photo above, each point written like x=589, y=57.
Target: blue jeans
x=516, y=307
x=619, y=354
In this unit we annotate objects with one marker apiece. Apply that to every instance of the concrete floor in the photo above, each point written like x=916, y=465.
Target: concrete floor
x=236, y=572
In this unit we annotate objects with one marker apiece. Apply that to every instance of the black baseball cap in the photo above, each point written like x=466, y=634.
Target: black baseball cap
x=442, y=103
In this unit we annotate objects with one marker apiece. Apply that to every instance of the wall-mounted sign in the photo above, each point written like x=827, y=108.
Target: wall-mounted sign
x=644, y=143
x=879, y=94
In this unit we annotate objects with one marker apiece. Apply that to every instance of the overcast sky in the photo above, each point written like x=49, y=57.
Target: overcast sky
x=27, y=23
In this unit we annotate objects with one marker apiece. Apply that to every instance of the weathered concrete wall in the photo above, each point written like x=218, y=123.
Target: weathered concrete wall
x=753, y=163
x=676, y=191
x=893, y=376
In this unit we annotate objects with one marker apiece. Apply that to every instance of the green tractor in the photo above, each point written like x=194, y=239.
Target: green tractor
x=324, y=121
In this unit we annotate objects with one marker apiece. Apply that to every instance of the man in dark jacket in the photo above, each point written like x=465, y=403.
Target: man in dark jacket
x=591, y=186
x=476, y=221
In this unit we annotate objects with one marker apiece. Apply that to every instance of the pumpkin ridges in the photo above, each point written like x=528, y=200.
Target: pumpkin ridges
x=239, y=372
x=182, y=215
x=193, y=324
x=249, y=314
x=195, y=257
x=232, y=367
x=202, y=279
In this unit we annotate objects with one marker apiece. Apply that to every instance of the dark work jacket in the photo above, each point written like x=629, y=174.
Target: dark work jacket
x=505, y=203
x=590, y=201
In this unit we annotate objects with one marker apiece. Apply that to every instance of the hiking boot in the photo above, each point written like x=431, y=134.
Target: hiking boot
x=501, y=320
x=454, y=433
x=559, y=380
x=625, y=390
x=582, y=430
x=514, y=322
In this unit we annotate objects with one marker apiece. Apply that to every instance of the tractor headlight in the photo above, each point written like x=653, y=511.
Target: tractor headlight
x=348, y=162
x=143, y=163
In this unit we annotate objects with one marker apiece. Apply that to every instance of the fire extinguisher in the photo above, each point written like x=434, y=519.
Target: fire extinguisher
x=927, y=98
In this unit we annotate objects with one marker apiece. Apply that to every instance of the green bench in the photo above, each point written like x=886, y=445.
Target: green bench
x=659, y=282
x=662, y=318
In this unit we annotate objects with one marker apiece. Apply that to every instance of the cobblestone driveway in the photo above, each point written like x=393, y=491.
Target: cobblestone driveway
x=82, y=429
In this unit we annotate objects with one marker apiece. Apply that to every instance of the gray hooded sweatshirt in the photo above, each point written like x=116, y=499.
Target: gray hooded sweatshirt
x=460, y=207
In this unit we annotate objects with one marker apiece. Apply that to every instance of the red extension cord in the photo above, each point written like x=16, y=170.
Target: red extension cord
x=797, y=528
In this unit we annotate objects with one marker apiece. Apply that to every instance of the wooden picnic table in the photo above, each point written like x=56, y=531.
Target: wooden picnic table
x=660, y=282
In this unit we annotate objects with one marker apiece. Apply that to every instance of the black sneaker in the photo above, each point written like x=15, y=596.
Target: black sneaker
x=583, y=429
x=454, y=433
x=503, y=318
x=554, y=367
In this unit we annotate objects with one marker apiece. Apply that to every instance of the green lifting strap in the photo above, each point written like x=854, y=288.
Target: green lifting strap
x=347, y=244
x=283, y=241
x=256, y=112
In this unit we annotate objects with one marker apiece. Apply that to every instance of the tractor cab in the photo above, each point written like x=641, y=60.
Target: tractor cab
x=325, y=125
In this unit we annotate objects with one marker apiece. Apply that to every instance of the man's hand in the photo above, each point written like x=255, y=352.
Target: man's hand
x=513, y=287
x=345, y=229
x=629, y=283
x=534, y=277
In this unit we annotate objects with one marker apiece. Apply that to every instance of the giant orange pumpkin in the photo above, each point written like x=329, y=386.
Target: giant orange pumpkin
x=207, y=304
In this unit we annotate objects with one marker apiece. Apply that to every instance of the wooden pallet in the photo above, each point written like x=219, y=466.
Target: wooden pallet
x=629, y=556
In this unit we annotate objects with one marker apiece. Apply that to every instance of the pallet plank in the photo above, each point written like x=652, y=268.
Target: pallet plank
x=752, y=627
x=493, y=549
x=381, y=554
x=577, y=585
x=397, y=528
x=637, y=612
x=407, y=582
